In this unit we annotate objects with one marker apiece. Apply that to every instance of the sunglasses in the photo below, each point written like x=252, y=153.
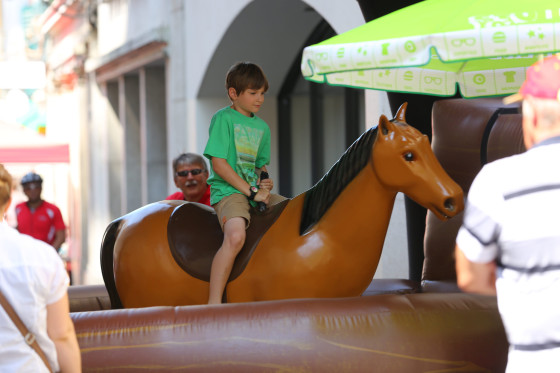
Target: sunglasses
x=194, y=172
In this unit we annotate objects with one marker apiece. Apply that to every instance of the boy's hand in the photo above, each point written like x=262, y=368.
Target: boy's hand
x=267, y=184
x=262, y=195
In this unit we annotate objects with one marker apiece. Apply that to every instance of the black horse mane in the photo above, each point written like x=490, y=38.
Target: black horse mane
x=321, y=196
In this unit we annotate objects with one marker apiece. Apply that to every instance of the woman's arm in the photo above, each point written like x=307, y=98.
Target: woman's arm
x=61, y=330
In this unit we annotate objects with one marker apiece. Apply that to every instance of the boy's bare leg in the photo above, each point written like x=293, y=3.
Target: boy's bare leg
x=234, y=238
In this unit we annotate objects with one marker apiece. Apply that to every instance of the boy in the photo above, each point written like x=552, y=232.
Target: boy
x=239, y=150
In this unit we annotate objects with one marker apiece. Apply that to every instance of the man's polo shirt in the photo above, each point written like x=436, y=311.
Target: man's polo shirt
x=42, y=223
x=205, y=199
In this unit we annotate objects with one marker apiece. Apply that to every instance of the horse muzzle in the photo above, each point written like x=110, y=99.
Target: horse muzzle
x=450, y=207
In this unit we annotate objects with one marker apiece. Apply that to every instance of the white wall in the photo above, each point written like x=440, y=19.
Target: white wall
x=124, y=21
x=13, y=41
x=206, y=23
x=341, y=15
x=98, y=204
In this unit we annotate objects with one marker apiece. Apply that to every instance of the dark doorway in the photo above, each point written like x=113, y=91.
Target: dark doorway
x=330, y=116
x=419, y=114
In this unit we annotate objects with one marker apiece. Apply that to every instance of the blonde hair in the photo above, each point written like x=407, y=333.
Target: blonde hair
x=5, y=185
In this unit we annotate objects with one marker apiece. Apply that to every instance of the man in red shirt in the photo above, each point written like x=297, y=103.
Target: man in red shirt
x=190, y=174
x=38, y=218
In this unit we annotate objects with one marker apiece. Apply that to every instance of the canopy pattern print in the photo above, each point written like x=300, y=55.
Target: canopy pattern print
x=484, y=46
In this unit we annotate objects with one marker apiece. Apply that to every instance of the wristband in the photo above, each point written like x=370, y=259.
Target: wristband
x=254, y=190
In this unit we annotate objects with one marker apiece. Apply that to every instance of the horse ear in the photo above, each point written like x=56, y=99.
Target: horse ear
x=401, y=113
x=385, y=125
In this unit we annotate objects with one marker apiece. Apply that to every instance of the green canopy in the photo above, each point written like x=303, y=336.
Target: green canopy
x=484, y=46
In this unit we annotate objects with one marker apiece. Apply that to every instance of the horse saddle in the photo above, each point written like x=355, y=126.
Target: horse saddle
x=194, y=236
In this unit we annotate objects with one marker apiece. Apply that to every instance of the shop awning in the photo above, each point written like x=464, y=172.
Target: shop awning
x=19, y=144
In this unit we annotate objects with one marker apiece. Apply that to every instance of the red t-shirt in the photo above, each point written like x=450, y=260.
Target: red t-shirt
x=41, y=224
x=205, y=199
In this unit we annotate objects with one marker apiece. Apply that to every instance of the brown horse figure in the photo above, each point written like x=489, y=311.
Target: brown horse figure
x=325, y=242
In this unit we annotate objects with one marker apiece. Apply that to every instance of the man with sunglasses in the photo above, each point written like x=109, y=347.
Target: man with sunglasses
x=190, y=174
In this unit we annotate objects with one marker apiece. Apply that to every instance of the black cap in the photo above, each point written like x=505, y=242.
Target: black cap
x=30, y=178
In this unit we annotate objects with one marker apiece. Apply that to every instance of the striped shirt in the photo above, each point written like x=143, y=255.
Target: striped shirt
x=512, y=217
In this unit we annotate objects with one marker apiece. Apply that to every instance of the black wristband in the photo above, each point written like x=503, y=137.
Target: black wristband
x=253, y=190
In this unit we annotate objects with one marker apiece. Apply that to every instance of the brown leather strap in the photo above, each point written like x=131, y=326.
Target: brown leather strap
x=27, y=335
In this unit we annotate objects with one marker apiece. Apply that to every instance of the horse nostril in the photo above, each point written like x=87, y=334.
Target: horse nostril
x=449, y=204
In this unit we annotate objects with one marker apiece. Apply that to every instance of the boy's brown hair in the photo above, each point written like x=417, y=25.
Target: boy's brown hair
x=245, y=75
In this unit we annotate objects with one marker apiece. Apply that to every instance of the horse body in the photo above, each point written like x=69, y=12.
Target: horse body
x=339, y=255
x=324, y=261
x=320, y=245
x=145, y=272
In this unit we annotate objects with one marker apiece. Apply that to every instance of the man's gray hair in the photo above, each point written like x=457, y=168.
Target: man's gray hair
x=189, y=158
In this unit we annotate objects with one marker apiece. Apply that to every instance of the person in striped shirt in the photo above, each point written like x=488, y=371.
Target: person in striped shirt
x=509, y=243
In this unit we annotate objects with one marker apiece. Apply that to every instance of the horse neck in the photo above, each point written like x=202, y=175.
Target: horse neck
x=362, y=209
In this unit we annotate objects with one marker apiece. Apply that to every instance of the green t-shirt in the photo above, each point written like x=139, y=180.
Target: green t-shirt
x=243, y=141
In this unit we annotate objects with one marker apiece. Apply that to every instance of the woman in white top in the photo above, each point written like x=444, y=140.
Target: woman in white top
x=33, y=279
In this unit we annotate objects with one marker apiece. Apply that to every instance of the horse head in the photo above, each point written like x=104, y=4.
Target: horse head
x=403, y=161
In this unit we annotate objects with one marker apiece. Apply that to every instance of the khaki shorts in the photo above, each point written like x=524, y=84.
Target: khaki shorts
x=237, y=205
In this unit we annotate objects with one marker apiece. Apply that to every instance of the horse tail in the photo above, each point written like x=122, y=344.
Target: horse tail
x=107, y=249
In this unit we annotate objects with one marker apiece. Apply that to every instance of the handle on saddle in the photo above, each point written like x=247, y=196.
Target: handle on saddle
x=261, y=206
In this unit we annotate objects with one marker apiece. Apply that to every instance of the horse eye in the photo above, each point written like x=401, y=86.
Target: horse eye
x=409, y=157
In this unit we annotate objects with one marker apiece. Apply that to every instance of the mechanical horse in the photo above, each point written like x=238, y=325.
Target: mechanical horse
x=325, y=242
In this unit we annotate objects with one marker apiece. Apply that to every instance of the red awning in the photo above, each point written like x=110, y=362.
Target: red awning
x=36, y=154
x=19, y=144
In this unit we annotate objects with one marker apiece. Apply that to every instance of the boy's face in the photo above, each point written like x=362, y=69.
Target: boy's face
x=247, y=102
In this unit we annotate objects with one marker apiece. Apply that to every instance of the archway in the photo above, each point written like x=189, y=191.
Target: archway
x=311, y=124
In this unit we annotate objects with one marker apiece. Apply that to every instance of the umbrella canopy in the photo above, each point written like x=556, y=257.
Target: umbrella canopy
x=19, y=144
x=483, y=46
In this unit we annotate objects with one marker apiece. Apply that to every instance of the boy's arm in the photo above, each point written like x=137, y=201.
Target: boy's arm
x=224, y=170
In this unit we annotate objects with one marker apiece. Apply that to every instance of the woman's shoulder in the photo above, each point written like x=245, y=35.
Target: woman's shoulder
x=23, y=245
